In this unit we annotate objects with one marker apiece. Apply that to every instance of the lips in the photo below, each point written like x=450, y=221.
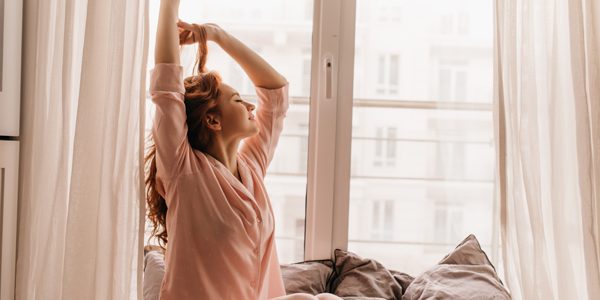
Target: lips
x=251, y=117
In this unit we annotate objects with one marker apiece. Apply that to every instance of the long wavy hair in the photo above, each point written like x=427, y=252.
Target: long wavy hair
x=200, y=98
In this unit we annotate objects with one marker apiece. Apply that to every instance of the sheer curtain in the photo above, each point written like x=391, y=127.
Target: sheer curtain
x=548, y=132
x=81, y=188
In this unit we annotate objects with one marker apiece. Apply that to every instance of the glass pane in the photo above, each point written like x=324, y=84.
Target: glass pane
x=281, y=32
x=422, y=174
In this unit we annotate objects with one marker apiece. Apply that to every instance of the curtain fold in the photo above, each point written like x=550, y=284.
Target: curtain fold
x=547, y=133
x=81, y=187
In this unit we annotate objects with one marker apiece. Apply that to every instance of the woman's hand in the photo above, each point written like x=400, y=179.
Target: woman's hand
x=188, y=33
x=260, y=72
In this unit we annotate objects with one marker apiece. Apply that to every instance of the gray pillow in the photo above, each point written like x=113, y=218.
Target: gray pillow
x=403, y=279
x=465, y=273
x=307, y=277
x=358, y=277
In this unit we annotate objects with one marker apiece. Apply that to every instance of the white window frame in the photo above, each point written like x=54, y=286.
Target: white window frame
x=330, y=128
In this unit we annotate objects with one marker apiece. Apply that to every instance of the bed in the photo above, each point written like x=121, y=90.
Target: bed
x=465, y=273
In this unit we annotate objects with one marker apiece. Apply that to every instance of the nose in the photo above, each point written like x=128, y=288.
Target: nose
x=250, y=106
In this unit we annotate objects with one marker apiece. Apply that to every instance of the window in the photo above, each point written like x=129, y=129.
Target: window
x=389, y=12
x=379, y=146
x=431, y=133
x=299, y=239
x=452, y=80
x=388, y=74
x=448, y=225
x=455, y=22
x=385, y=155
x=306, y=65
x=382, y=220
x=303, y=149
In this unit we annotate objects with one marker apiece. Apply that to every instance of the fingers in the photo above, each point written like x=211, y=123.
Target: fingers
x=184, y=25
x=186, y=37
x=186, y=33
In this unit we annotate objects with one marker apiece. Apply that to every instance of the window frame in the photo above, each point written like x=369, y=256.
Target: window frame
x=330, y=128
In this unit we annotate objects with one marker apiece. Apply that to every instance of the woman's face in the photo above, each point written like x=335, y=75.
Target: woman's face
x=237, y=119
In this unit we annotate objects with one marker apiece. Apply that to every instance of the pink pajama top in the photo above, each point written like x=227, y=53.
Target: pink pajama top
x=221, y=231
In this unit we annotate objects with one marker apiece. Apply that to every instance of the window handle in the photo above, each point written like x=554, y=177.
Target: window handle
x=328, y=79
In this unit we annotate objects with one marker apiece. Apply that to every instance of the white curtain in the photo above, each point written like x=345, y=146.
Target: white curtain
x=80, y=211
x=548, y=136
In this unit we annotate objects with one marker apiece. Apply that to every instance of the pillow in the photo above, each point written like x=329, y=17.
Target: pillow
x=307, y=277
x=362, y=278
x=465, y=273
x=403, y=279
x=154, y=271
x=468, y=252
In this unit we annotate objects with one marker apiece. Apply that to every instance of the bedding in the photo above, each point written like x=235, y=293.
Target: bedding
x=154, y=270
x=465, y=273
x=311, y=277
x=363, y=277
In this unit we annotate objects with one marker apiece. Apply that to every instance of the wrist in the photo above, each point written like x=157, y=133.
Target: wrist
x=220, y=35
x=169, y=3
x=215, y=33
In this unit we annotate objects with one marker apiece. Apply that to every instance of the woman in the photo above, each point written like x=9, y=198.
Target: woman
x=201, y=189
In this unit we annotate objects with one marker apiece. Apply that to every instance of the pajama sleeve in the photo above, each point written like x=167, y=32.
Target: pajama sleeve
x=169, y=130
x=272, y=107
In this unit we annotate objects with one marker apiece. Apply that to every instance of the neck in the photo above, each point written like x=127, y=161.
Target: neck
x=225, y=152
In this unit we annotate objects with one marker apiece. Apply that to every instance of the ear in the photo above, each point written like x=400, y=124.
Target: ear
x=213, y=121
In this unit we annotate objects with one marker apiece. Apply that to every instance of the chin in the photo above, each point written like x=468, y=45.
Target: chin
x=252, y=132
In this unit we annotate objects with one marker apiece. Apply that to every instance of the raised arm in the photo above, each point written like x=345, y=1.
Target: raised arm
x=260, y=72
x=167, y=37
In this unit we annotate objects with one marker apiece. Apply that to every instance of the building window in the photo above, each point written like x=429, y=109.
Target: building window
x=388, y=74
x=389, y=12
x=306, y=67
x=379, y=143
x=382, y=220
x=448, y=225
x=299, y=238
x=454, y=23
x=452, y=80
x=391, y=146
x=303, y=147
x=385, y=147
x=450, y=156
